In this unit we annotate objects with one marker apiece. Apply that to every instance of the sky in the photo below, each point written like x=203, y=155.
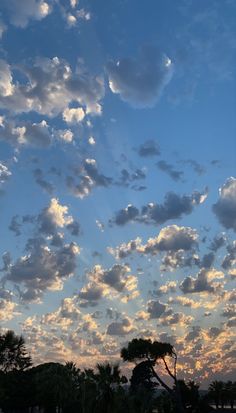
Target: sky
x=118, y=179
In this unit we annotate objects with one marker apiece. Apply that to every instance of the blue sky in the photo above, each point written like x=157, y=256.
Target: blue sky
x=118, y=178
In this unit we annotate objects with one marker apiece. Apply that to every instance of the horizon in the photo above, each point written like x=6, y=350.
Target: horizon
x=118, y=179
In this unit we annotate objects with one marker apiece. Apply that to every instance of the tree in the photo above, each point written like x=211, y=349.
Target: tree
x=215, y=391
x=13, y=353
x=107, y=378
x=152, y=353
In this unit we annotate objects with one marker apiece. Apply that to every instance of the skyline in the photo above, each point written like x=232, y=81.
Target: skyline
x=118, y=179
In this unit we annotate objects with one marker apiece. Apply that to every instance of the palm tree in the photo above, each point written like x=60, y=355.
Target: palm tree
x=107, y=378
x=13, y=354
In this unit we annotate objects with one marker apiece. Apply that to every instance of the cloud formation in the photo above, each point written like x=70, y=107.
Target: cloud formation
x=51, y=86
x=42, y=269
x=225, y=207
x=173, y=207
x=206, y=281
x=89, y=178
x=140, y=81
x=20, y=13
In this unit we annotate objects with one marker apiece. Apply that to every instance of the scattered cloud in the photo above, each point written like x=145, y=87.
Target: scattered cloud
x=169, y=170
x=225, y=207
x=21, y=13
x=173, y=207
x=205, y=281
x=148, y=149
x=140, y=81
x=51, y=86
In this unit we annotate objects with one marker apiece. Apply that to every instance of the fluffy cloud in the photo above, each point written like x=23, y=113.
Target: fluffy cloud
x=225, y=207
x=7, y=310
x=140, y=81
x=50, y=88
x=120, y=328
x=171, y=238
x=4, y=173
x=6, y=86
x=174, y=206
x=73, y=115
x=178, y=244
x=204, y=282
x=230, y=258
x=156, y=308
x=34, y=134
x=102, y=282
x=20, y=13
x=177, y=318
x=42, y=269
x=54, y=216
x=65, y=135
x=89, y=178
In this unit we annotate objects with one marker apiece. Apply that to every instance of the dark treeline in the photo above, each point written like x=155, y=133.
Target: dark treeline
x=64, y=388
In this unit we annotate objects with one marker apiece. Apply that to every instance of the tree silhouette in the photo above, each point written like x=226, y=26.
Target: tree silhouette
x=13, y=353
x=215, y=392
x=152, y=353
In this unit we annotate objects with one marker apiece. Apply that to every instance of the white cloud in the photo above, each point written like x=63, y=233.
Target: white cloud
x=73, y=115
x=50, y=88
x=21, y=12
x=4, y=173
x=54, y=216
x=65, y=135
x=6, y=80
x=33, y=134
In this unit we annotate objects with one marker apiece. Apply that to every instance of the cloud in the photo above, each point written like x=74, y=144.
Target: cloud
x=120, y=328
x=208, y=260
x=229, y=311
x=90, y=177
x=177, y=318
x=148, y=149
x=7, y=310
x=4, y=173
x=42, y=269
x=174, y=207
x=204, y=282
x=6, y=85
x=20, y=13
x=33, y=134
x=53, y=216
x=65, y=135
x=50, y=87
x=103, y=282
x=197, y=167
x=218, y=242
x=129, y=177
x=230, y=259
x=178, y=244
x=140, y=81
x=168, y=168
x=155, y=308
x=169, y=287
x=130, y=213
x=171, y=238
x=73, y=115
x=225, y=207
x=15, y=225
x=47, y=186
